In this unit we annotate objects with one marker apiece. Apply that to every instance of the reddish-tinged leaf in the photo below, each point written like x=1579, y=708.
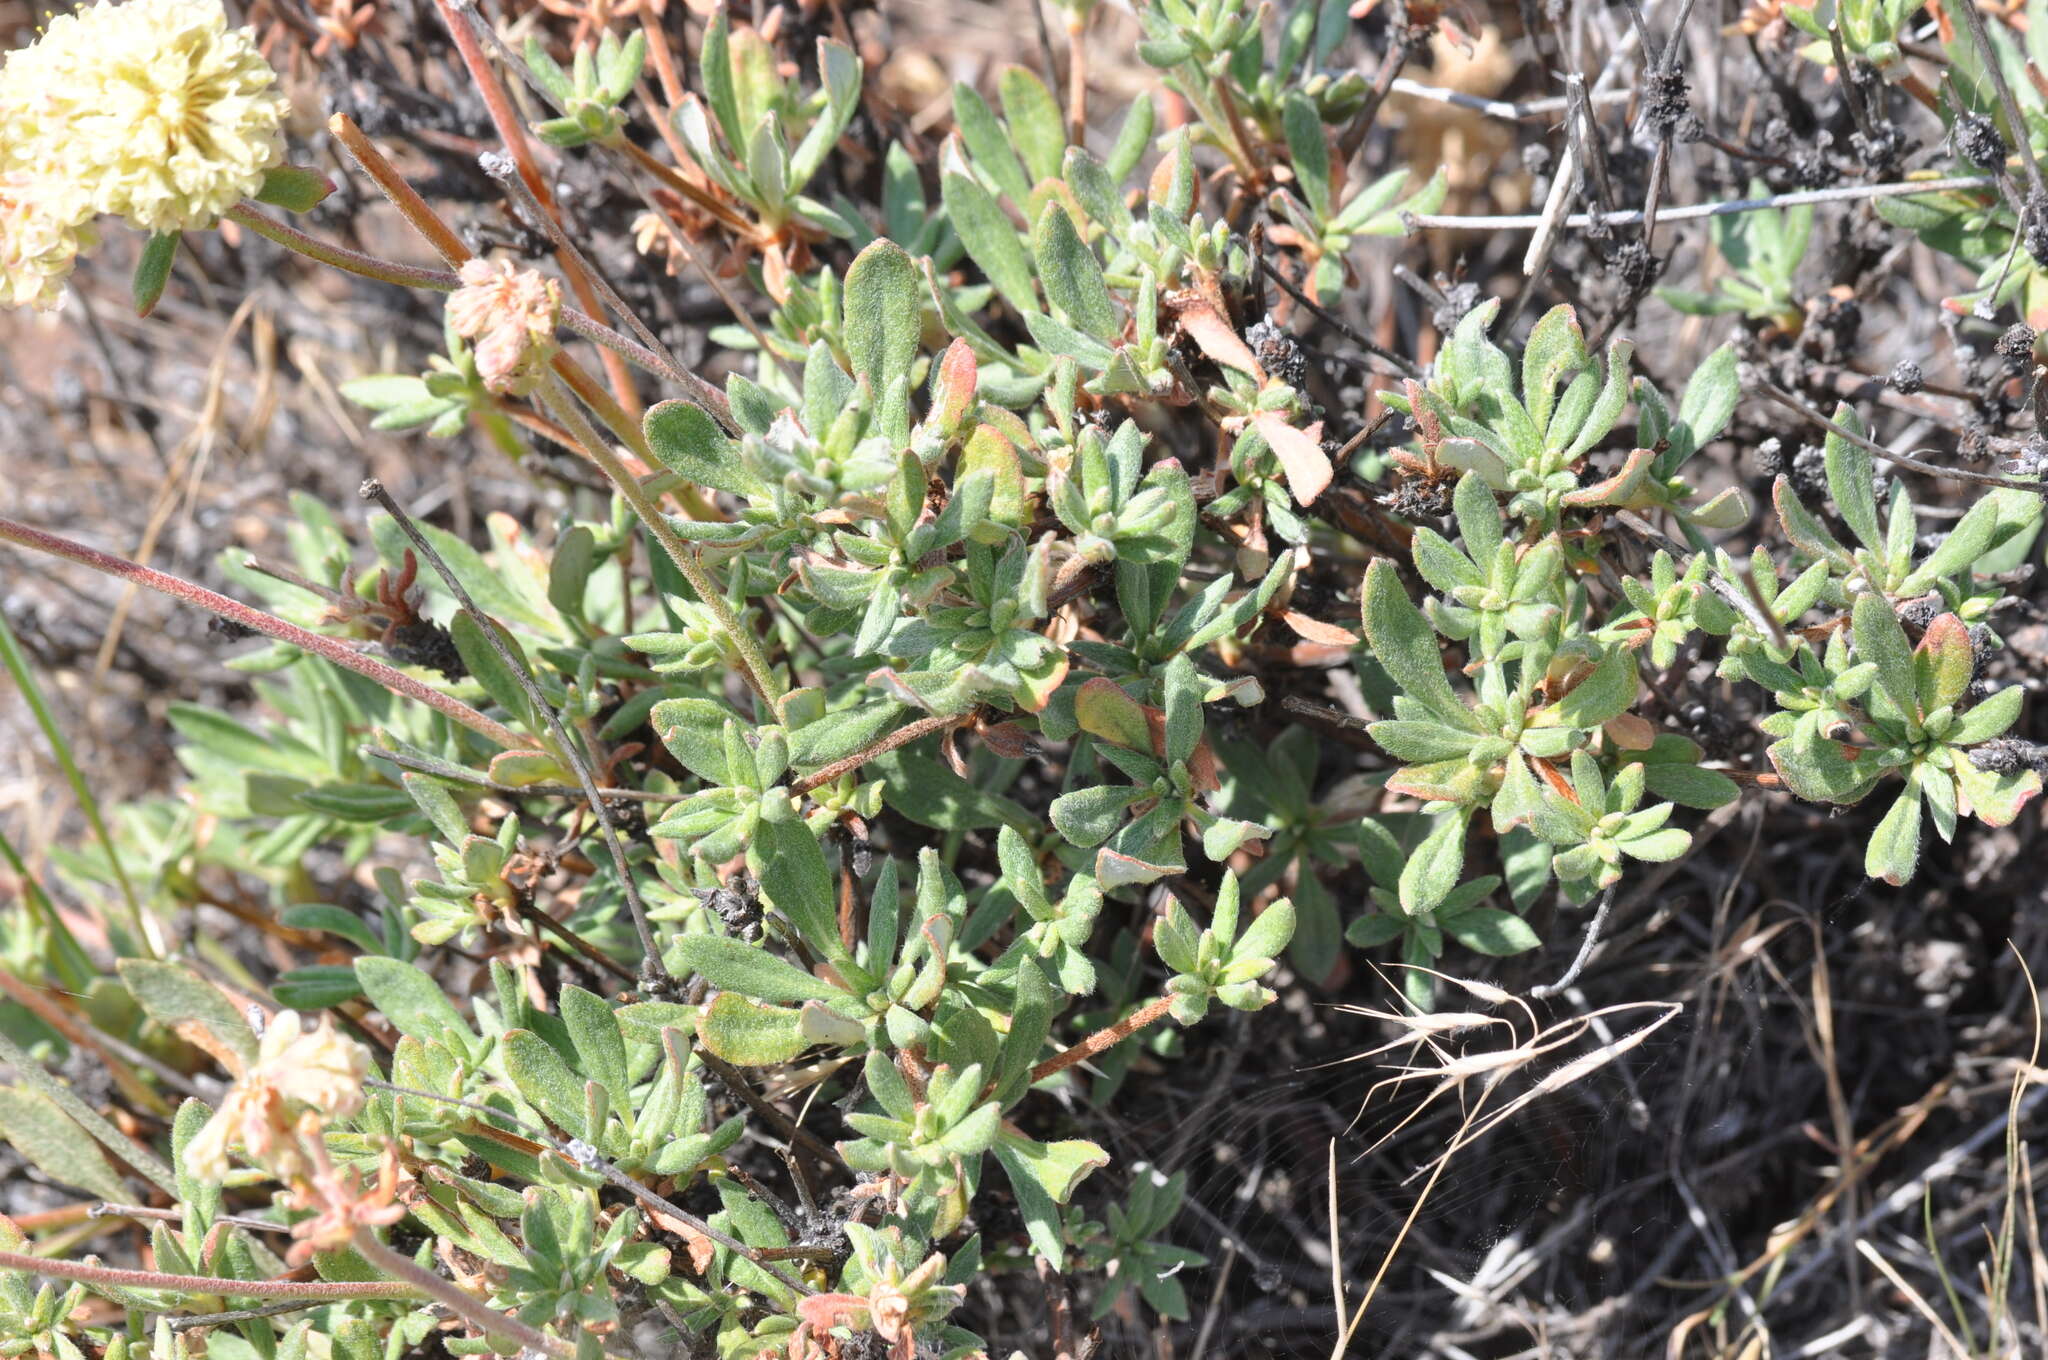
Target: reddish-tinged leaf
x=1807, y=533
x=1116, y=870
x=1202, y=768
x=1215, y=336
x=1040, y=683
x=1442, y=781
x=824, y=1311
x=1300, y=453
x=1104, y=710
x=1630, y=732
x=1994, y=799
x=699, y=1250
x=519, y=768
x=1159, y=188
x=1008, y=740
x=958, y=375
x=1315, y=630
x=1558, y=783
x=1618, y=488
x=1427, y=427
x=1942, y=663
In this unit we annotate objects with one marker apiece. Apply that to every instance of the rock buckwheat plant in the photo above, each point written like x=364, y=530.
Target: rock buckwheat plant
x=730, y=901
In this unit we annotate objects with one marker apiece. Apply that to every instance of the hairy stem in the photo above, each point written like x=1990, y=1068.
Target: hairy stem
x=413, y=208
x=443, y=281
x=1077, y=76
x=441, y=769
x=473, y=1311
x=1527, y=222
x=1106, y=1038
x=207, y=1284
x=536, y=916
x=1786, y=399
x=340, y=257
x=333, y=649
x=902, y=736
x=464, y=23
x=374, y=490
x=627, y=431
x=500, y=169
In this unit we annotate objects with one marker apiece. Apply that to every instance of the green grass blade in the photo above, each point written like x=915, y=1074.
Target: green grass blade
x=25, y=681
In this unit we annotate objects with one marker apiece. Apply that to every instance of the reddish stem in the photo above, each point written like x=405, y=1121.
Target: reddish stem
x=422, y=218
x=340, y=257
x=333, y=649
x=902, y=736
x=498, y=103
x=207, y=1284
x=1103, y=1039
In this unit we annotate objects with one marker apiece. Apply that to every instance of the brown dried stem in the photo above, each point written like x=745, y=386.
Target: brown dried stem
x=902, y=736
x=1105, y=1038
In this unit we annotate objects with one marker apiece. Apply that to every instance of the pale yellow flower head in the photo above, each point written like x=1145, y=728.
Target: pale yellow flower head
x=510, y=313
x=156, y=109
x=297, y=1076
x=41, y=231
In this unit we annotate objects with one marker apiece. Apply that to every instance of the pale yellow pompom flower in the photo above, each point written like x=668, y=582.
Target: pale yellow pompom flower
x=41, y=232
x=295, y=1074
x=511, y=314
x=158, y=111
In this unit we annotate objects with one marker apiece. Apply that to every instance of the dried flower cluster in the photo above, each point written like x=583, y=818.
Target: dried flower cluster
x=510, y=313
x=299, y=1081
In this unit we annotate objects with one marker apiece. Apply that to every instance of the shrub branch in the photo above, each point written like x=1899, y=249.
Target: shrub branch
x=333, y=649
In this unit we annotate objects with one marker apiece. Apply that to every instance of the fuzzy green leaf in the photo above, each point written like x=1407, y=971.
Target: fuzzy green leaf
x=688, y=441
x=1308, y=150
x=737, y=966
x=173, y=994
x=882, y=322
x=1073, y=280
x=991, y=241
x=1850, y=473
x=1403, y=642
x=1881, y=640
x=599, y=1045
x=1037, y=129
x=51, y=1142
x=545, y=1081
x=1044, y=1176
x=1489, y=930
x=294, y=188
x=749, y=1035
x=791, y=866
x=1894, y=849
x=412, y=1001
x=153, y=270
x=1433, y=870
